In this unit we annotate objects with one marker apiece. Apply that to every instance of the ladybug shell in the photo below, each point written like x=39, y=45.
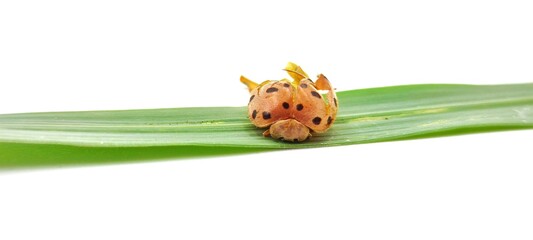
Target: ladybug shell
x=272, y=101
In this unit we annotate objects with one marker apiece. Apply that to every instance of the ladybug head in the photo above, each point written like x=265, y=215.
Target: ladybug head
x=289, y=130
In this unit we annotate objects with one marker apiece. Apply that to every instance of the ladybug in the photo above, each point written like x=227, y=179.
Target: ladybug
x=292, y=109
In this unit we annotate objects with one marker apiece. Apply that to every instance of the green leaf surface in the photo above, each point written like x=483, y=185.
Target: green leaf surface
x=367, y=115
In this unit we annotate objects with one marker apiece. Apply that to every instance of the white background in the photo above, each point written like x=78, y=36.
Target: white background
x=74, y=55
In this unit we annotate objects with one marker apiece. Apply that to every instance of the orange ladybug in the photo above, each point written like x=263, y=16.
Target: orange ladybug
x=292, y=109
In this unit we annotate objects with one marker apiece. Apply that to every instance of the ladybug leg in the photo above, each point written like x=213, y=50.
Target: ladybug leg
x=249, y=83
x=266, y=133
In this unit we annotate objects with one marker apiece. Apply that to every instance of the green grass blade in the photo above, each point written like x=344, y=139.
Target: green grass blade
x=367, y=115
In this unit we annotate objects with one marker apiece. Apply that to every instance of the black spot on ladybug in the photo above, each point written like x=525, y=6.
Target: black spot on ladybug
x=271, y=90
x=329, y=120
x=254, y=114
x=286, y=85
x=317, y=120
x=251, y=98
x=303, y=85
x=285, y=105
x=266, y=115
x=299, y=107
x=335, y=100
x=316, y=94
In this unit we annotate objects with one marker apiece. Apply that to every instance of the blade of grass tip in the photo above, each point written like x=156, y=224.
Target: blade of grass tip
x=367, y=115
